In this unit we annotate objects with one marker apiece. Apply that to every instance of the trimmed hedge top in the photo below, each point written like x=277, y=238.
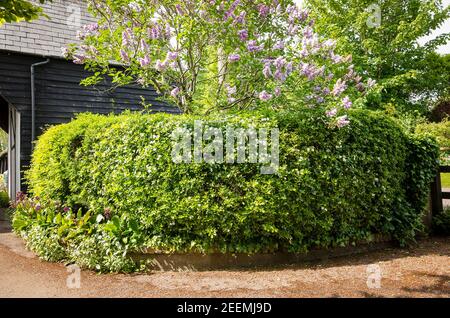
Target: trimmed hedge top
x=334, y=187
x=441, y=131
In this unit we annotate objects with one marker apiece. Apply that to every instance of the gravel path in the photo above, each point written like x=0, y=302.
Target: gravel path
x=423, y=271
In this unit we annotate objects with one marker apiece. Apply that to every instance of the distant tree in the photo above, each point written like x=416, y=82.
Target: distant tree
x=19, y=10
x=383, y=38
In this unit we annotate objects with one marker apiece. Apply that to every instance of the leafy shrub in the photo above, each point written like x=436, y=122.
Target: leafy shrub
x=4, y=199
x=441, y=131
x=57, y=233
x=441, y=111
x=3, y=187
x=441, y=223
x=335, y=187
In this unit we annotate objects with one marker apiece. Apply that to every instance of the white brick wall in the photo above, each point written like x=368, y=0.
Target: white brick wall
x=46, y=36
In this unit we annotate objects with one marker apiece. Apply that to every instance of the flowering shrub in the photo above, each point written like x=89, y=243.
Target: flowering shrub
x=334, y=187
x=220, y=54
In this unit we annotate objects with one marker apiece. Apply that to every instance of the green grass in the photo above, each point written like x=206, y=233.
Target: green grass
x=445, y=180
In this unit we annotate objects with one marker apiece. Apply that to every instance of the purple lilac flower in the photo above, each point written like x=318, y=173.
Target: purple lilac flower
x=320, y=99
x=240, y=19
x=289, y=68
x=346, y=102
x=126, y=38
x=336, y=58
x=160, y=66
x=339, y=87
x=145, y=61
x=279, y=62
x=124, y=56
x=173, y=65
x=292, y=29
x=267, y=70
x=277, y=91
x=310, y=71
x=265, y=96
x=332, y=112
x=253, y=47
x=304, y=52
x=234, y=57
x=350, y=74
x=329, y=44
x=168, y=31
x=263, y=10
x=79, y=59
x=37, y=207
x=279, y=45
x=243, y=35
x=171, y=56
x=179, y=9
x=279, y=75
x=230, y=11
x=306, y=69
x=174, y=93
x=342, y=121
x=90, y=28
x=308, y=33
x=155, y=32
x=144, y=45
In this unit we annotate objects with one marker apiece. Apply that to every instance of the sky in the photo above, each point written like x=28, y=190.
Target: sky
x=443, y=29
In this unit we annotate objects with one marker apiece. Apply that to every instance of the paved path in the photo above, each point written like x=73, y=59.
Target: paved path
x=423, y=271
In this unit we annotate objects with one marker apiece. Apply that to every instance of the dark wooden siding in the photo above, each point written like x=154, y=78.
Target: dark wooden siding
x=59, y=96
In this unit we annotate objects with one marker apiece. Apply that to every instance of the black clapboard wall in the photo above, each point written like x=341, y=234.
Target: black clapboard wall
x=59, y=96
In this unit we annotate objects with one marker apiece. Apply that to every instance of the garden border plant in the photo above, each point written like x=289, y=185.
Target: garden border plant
x=103, y=187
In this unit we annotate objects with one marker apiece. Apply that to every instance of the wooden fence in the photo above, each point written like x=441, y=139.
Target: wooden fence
x=437, y=195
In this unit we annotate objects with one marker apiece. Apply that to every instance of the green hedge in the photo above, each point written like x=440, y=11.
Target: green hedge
x=335, y=187
x=4, y=199
x=441, y=131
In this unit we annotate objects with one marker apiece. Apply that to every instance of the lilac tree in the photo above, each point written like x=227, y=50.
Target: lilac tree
x=210, y=55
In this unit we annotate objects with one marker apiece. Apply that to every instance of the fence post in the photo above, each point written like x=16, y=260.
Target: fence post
x=436, y=195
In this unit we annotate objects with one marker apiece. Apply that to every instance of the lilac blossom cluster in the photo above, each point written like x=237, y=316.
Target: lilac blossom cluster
x=279, y=48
